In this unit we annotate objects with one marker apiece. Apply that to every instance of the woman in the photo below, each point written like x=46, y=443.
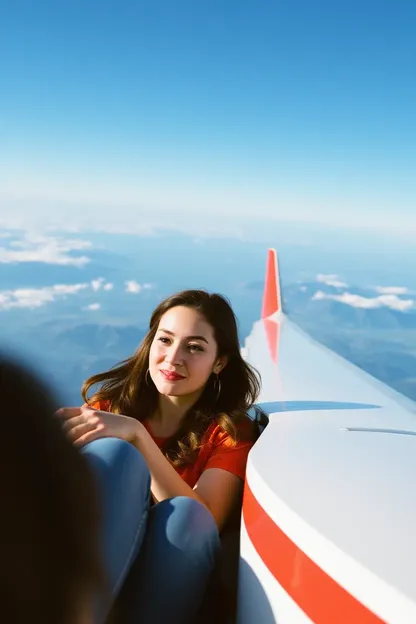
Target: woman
x=181, y=401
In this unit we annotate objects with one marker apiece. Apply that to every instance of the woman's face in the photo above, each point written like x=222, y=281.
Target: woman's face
x=183, y=353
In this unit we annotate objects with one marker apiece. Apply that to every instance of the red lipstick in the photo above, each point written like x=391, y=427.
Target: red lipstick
x=171, y=376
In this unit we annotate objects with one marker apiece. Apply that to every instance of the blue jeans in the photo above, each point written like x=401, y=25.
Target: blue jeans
x=158, y=559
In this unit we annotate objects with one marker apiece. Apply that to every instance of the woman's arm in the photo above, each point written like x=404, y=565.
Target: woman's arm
x=217, y=489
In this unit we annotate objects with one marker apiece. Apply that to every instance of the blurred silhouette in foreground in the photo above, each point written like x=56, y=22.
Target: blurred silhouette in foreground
x=50, y=566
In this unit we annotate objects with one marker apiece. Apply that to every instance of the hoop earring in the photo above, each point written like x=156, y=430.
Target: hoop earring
x=217, y=387
x=146, y=378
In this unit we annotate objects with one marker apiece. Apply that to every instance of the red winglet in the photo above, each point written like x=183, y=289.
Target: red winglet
x=271, y=296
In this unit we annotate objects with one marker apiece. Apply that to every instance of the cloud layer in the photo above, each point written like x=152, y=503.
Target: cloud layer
x=392, y=290
x=358, y=301
x=31, y=298
x=37, y=297
x=388, y=297
x=331, y=280
x=47, y=249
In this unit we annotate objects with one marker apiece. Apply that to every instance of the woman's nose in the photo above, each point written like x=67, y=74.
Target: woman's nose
x=174, y=355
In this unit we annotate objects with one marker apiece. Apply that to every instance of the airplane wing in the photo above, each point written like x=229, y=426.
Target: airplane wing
x=329, y=504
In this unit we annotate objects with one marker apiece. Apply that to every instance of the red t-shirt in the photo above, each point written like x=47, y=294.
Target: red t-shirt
x=218, y=450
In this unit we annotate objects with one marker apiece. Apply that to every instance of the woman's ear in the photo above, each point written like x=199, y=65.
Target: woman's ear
x=220, y=364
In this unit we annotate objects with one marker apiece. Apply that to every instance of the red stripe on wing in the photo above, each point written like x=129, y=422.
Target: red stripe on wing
x=321, y=598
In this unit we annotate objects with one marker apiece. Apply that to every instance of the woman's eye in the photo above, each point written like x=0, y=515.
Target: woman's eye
x=164, y=339
x=195, y=347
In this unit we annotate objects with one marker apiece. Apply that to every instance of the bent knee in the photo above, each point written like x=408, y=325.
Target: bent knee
x=194, y=511
x=187, y=523
x=117, y=455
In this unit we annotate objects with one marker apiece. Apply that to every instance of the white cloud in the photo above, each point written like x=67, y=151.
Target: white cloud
x=357, y=301
x=37, y=297
x=93, y=306
x=331, y=280
x=47, y=249
x=97, y=283
x=392, y=290
x=133, y=287
x=68, y=289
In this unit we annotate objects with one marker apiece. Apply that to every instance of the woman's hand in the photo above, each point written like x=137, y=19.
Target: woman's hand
x=85, y=424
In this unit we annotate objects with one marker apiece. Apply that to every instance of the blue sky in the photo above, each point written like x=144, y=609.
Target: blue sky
x=295, y=111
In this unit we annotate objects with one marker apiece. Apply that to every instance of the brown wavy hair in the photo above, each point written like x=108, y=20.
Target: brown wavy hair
x=129, y=389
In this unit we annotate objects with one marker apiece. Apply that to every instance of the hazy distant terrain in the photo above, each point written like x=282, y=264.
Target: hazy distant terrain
x=381, y=340
x=77, y=308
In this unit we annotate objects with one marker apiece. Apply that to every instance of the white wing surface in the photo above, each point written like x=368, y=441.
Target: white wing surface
x=328, y=530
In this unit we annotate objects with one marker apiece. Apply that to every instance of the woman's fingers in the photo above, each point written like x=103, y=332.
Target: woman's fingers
x=77, y=423
x=85, y=424
x=65, y=413
x=81, y=424
x=79, y=420
x=90, y=436
x=77, y=432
